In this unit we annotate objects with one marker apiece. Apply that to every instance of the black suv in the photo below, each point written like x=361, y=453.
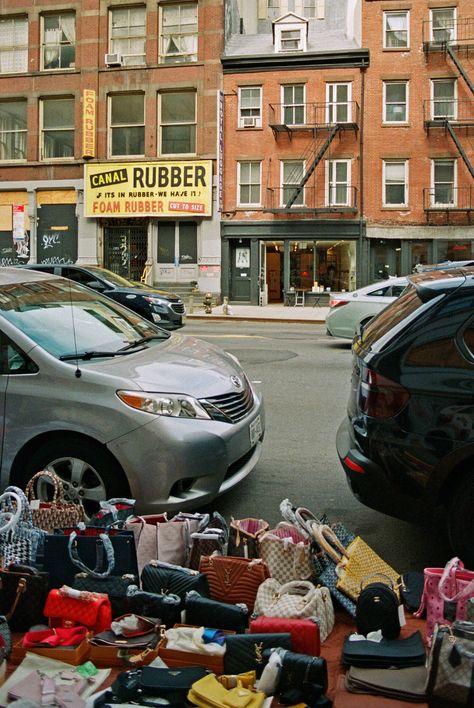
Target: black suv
x=158, y=306
x=407, y=444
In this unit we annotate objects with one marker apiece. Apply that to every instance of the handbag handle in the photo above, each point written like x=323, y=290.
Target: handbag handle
x=109, y=552
x=323, y=533
x=57, y=484
x=449, y=573
x=26, y=516
x=291, y=588
x=377, y=575
x=11, y=517
x=20, y=589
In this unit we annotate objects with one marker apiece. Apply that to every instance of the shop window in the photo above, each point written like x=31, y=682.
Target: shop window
x=178, y=123
x=443, y=187
x=57, y=134
x=13, y=45
x=178, y=32
x=443, y=97
x=128, y=34
x=58, y=41
x=177, y=242
x=396, y=30
x=454, y=250
x=395, y=101
x=13, y=130
x=187, y=240
x=127, y=124
x=338, y=103
x=292, y=172
x=443, y=24
x=395, y=187
x=338, y=182
x=249, y=181
x=250, y=107
x=293, y=104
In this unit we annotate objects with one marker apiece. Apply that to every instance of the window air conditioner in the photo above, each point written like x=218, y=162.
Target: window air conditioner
x=114, y=59
x=249, y=121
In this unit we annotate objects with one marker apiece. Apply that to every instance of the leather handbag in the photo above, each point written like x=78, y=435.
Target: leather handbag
x=89, y=610
x=245, y=652
x=204, y=612
x=20, y=540
x=48, y=515
x=206, y=543
x=163, y=682
x=396, y=653
x=446, y=594
x=234, y=580
x=411, y=590
x=451, y=664
x=305, y=637
x=163, y=578
x=298, y=669
x=115, y=586
x=378, y=608
x=298, y=599
x=165, y=607
x=244, y=537
x=209, y=692
x=23, y=592
x=287, y=553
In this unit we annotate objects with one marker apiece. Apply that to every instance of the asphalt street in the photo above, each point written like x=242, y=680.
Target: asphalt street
x=304, y=376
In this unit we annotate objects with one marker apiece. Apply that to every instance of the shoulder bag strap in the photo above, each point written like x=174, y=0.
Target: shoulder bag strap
x=449, y=573
x=109, y=551
x=57, y=484
x=20, y=589
x=291, y=588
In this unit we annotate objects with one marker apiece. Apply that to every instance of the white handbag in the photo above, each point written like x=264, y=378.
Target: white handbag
x=298, y=599
x=287, y=553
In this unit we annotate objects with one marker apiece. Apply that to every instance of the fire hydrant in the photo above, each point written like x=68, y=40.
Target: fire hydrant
x=207, y=302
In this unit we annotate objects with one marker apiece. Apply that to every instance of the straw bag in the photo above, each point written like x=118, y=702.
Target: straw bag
x=49, y=515
x=287, y=553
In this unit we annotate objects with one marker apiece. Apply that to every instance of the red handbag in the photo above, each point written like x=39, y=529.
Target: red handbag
x=91, y=610
x=305, y=637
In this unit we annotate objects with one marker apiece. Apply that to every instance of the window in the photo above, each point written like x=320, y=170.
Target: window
x=293, y=106
x=177, y=242
x=395, y=30
x=291, y=40
x=443, y=192
x=13, y=45
x=395, y=101
x=128, y=33
x=305, y=8
x=178, y=123
x=57, y=135
x=292, y=172
x=250, y=107
x=178, y=36
x=338, y=106
x=58, y=41
x=13, y=130
x=338, y=182
x=127, y=124
x=443, y=24
x=443, y=94
x=395, y=183
x=249, y=179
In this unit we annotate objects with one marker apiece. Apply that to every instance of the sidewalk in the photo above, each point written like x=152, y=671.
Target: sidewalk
x=268, y=313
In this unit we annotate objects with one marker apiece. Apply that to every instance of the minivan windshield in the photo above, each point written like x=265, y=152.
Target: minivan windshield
x=64, y=318
x=390, y=316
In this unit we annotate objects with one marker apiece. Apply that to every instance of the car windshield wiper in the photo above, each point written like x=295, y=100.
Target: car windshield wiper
x=144, y=340
x=85, y=356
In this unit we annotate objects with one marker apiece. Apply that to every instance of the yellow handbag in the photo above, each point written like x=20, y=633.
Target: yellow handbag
x=208, y=692
x=247, y=679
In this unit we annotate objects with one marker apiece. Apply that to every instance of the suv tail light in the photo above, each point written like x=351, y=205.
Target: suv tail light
x=337, y=303
x=380, y=397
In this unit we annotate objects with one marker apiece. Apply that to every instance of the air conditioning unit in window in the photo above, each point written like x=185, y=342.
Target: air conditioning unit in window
x=114, y=59
x=249, y=121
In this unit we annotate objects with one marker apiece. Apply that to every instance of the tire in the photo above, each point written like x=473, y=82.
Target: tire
x=90, y=474
x=461, y=520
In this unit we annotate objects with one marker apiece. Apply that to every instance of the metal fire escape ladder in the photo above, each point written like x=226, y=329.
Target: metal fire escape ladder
x=460, y=148
x=317, y=159
x=460, y=67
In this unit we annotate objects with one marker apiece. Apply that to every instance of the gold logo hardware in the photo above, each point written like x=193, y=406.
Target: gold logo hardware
x=227, y=578
x=258, y=653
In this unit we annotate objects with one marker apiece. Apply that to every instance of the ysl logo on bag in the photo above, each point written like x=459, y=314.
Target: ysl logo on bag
x=227, y=578
x=258, y=653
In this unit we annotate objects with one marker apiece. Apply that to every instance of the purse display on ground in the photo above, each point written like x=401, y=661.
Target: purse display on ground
x=68, y=608
x=233, y=579
x=115, y=586
x=244, y=652
x=20, y=540
x=299, y=668
x=48, y=515
x=160, y=538
x=403, y=684
x=163, y=578
x=208, y=692
x=202, y=611
x=166, y=607
x=451, y=664
x=287, y=553
x=385, y=654
x=23, y=592
x=305, y=635
x=378, y=607
x=244, y=537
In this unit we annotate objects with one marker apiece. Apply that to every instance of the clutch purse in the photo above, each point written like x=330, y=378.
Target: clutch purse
x=305, y=637
x=202, y=611
x=397, y=653
x=149, y=604
x=161, y=682
x=88, y=609
x=163, y=578
x=244, y=652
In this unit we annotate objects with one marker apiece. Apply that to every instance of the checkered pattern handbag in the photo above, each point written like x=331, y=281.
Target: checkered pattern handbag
x=287, y=553
x=20, y=541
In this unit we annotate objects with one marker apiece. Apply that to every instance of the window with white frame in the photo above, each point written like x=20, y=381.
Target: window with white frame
x=13, y=45
x=338, y=103
x=442, y=24
x=443, y=182
x=178, y=32
x=395, y=182
x=395, y=101
x=128, y=33
x=127, y=124
x=13, y=130
x=250, y=107
x=290, y=40
x=396, y=29
x=57, y=128
x=338, y=182
x=58, y=40
x=177, y=123
x=292, y=172
x=443, y=98
x=310, y=9
x=293, y=104
x=249, y=181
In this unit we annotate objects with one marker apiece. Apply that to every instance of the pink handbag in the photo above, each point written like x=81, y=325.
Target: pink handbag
x=445, y=594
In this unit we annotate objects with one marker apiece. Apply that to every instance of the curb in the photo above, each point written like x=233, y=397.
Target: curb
x=243, y=318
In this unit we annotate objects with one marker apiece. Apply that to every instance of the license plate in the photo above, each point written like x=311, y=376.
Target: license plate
x=255, y=429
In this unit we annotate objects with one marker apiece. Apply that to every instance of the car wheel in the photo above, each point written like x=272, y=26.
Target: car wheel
x=89, y=473
x=461, y=521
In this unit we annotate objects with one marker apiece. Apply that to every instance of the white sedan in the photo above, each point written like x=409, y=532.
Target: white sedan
x=351, y=309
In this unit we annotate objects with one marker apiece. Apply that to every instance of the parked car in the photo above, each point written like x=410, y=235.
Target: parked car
x=115, y=405
x=350, y=310
x=423, y=267
x=155, y=305
x=407, y=443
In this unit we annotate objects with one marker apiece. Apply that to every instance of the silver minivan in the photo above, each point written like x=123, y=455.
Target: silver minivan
x=115, y=405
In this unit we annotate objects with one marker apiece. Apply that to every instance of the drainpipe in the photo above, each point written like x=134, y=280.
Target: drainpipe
x=362, y=276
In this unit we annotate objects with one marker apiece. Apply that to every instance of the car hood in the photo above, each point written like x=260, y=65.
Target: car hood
x=146, y=290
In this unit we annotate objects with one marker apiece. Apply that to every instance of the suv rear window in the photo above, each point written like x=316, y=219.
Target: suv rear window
x=390, y=317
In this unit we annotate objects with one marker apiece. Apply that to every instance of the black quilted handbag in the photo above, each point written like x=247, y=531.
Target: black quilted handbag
x=166, y=607
x=245, y=652
x=204, y=612
x=298, y=669
x=378, y=608
x=23, y=592
x=163, y=578
x=115, y=586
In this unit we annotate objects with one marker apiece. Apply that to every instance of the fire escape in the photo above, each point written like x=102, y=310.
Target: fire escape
x=324, y=122
x=454, y=39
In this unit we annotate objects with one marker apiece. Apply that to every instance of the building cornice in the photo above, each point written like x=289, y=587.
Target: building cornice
x=358, y=58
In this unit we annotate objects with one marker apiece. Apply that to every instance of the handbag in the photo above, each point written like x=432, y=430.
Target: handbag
x=305, y=636
x=209, y=692
x=23, y=592
x=298, y=599
x=298, y=669
x=115, y=586
x=396, y=653
x=163, y=578
x=244, y=537
x=89, y=609
x=5, y=635
x=287, y=553
x=378, y=608
x=206, y=543
x=20, y=540
x=232, y=579
x=165, y=607
x=48, y=515
x=202, y=612
x=245, y=652
x=411, y=586
x=451, y=664
x=445, y=594
x=157, y=538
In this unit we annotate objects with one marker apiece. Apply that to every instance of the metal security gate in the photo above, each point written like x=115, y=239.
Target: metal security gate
x=125, y=249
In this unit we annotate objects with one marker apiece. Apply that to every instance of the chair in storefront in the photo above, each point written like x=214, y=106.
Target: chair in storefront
x=299, y=298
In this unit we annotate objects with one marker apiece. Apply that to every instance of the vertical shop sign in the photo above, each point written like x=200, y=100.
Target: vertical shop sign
x=88, y=123
x=18, y=222
x=220, y=147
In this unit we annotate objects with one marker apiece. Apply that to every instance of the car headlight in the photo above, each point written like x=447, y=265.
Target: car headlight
x=156, y=301
x=174, y=405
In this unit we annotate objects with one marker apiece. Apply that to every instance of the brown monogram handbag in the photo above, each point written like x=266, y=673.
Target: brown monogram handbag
x=232, y=579
x=57, y=513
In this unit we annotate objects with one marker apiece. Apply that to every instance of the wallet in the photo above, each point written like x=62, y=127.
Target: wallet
x=204, y=612
x=403, y=684
x=165, y=681
x=388, y=653
x=244, y=652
